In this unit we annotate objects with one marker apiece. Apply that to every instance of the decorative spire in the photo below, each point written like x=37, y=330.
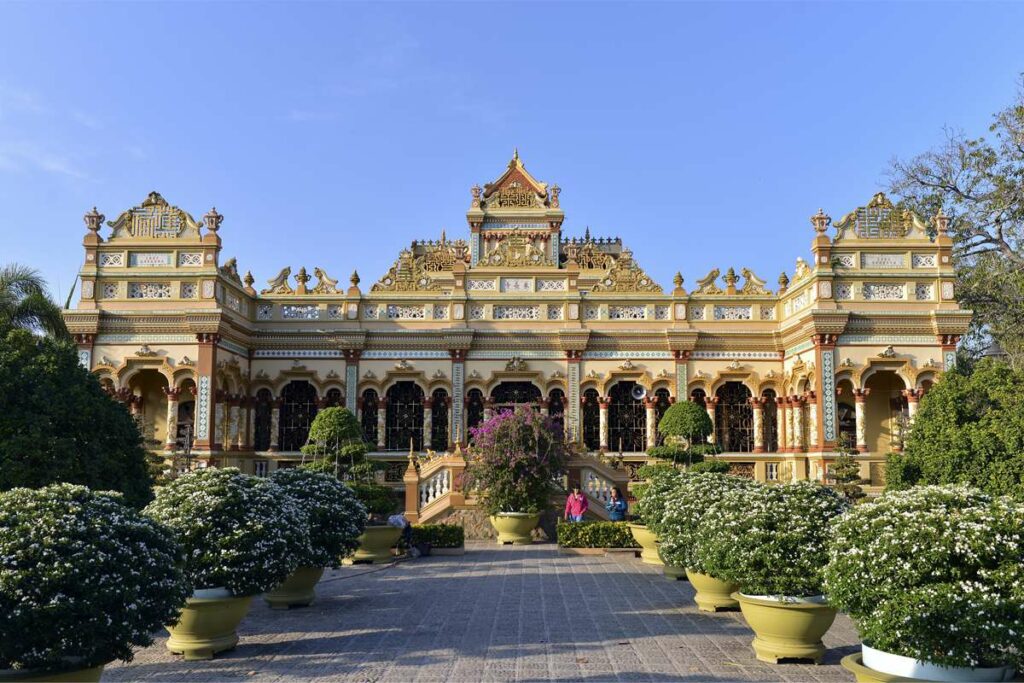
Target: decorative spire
x=301, y=278
x=355, y=278
x=941, y=221
x=212, y=220
x=821, y=221
x=93, y=220
x=730, y=280
x=515, y=154
x=678, y=280
x=783, y=282
x=248, y=279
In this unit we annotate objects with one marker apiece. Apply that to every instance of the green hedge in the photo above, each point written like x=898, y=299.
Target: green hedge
x=595, y=535
x=439, y=535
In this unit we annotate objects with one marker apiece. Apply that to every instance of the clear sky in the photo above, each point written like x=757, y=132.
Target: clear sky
x=331, y=135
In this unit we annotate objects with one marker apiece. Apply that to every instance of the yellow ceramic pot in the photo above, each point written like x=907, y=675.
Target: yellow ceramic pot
x=648, y=541
x=712, y=594
x=672, y=571
x=89, y=675
x=854, y=664
x=298, y=590
x=785, y=629
x=208, y=625
x=515, y=527
x=375, y=544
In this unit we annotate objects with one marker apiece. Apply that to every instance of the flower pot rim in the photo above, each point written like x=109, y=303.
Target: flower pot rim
x=774, y=601
x=72, y=665
x=916, y=668
x=818, y=599
x=636, y=524
x=213, y=593
x=516, y=514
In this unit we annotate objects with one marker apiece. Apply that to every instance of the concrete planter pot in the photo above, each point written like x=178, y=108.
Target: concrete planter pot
x=787, y=628
x=375, y=544
x=208, y=624
x=712, y=595
x=298, y=590
x=671, y=571
x=877, y=666
x=648, y=541
x=90, y=674
x=515, y=527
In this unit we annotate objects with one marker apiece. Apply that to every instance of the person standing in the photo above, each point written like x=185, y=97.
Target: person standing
x=576, y=505
x=617, y=506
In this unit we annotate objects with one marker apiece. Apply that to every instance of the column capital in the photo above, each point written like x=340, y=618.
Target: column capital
x=949, y=339
x=912, y=395
x=756, y=402
x=211, y=338
x=573, y=354
x=428, y=403
x=458, y=355
x=712, y=401
x=85, y=339
x=825, y=339
x=650, y=403
x=604, y=402
x=172, y=393
x=682, y=354
x=860, y=395
x=352, y=355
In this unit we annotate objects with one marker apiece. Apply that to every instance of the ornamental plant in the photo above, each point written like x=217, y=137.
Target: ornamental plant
x=83, y=578
x=239, y=532
x=516, y=457
x=336, y=437
x=772, y=540
x=686, y=420
x=595, y=535
x=336, y=517
x=652, y=495
x=686, y=507
x=934, y=573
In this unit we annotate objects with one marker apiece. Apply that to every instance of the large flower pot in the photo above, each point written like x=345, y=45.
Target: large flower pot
x=208, y=624
x=648, y=541
x=298, y=590
x=515, y=527
x=712, y=594
x=787, y=628
x=876, y=666
x=376, y=542
x=88, y=675
x=671, y=571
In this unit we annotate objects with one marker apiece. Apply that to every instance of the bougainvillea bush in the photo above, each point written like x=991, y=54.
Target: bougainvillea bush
x=772, y=540
x=935, y=573
x=83, y=578
x=685, y=508
x=515, y=459
x=239, y=532
x=660, y=481
x=336, y=517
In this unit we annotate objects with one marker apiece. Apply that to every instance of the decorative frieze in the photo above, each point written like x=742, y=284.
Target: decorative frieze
x=420, y=354
x=882, y=261
x=481, y=285
x=627, y=355
x=548, y=285
x=696, y=312
x=110, y=290
x=112, y=260
x=406, y=312
x=844, y=291
x=734, y=355
x=335, y=313
x=923, y=261
x=300, y=312
x=844, y=260
x=149, y=290
x=371, y=312
x=768, y=313
x=189, y=290
x=190, y=258
x=300, y=353
x=733, y=313
x=798, y=302
x=515, y=312
x=150, y=259
x=516, y=284
x=476, y=312
x=634, y=312
x=883, y=291
x=661, y=312
x=233, y=301
x=440, y=311
x=555, y=312
x=591, y=312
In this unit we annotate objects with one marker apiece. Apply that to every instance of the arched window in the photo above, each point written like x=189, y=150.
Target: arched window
x=474, y=408
x=734, y=418
x=261, y=415
x=333, y=398
x=403, y=421
x=591, y=420
x=439, y=420
x=627, y=419
x=369, y=417
x=847, y=416
x=509, y=395
x=662, y=400
x=699, y=397
x=297, y=413
x=770, y=421
x=556, y=409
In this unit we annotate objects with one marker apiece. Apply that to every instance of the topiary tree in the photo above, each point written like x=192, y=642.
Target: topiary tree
x=845, y=473
x=688, y=425
x=337, y=437
x=57, y=424
x=969, y=430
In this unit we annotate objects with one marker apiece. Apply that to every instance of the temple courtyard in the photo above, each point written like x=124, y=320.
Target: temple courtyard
x=496, y=613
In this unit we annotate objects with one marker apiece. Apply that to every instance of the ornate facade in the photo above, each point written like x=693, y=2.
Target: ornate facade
x=517, y=313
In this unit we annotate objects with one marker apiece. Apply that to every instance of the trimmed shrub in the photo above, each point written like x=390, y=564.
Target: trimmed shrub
x=653, y=494
x=439, y=535
x=713, y=466
x=595, y=535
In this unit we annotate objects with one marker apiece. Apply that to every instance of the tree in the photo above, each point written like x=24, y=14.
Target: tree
x=57, y=424
x=24, y=303
x=968, y=430
x=336, y=439
x=846, y=474
x=979, y=184
x=688, y=425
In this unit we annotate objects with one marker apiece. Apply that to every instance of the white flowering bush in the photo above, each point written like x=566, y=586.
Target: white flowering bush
x=935, y=573
x=239, y=532
x=83, y=578
x=684, y=508
x=336, y=517
x=772, y=540
x=651, y=496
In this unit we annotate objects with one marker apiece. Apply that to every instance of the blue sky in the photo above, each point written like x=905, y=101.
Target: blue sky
x=331, y=135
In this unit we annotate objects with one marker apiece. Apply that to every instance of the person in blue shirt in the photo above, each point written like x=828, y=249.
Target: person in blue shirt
x=617, y=506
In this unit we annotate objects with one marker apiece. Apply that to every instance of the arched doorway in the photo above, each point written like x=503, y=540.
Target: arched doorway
x=403, y=420
x=368, y=417
x=627, y=419
x=556, y=410
x=474, y=408
x=439, y=420
x=885, y=412
x=734, y=418
x=298, y=408
x=150, y=388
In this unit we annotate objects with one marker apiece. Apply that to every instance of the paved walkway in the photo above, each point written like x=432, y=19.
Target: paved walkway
x=496, y=613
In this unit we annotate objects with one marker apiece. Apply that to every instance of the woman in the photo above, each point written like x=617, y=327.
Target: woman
x=576, y=505
x=617, y=506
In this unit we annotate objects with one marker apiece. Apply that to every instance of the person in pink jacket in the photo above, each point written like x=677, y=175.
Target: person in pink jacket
x=576, y=505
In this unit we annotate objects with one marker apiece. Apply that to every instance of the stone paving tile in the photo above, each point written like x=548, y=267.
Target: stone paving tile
x=495, y=614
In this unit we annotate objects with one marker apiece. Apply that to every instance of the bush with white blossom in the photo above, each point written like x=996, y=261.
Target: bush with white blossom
x=336, y=517
x=652, y=495
x=772, y=539
x=935, y=573
x=83, y=578
x=239, y=532
x=684, y=509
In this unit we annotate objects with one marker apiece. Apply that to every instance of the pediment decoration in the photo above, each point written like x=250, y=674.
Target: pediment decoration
x=324, y=283
x=279, y=283
x=516, y=365
x=406, y=275
x=515, y=189
x=442, y=256
x=230, y=270
x=154, y=217
x=517, y=251
x=146, y=352
x=752, y=285
x=626, y=276
x=589, y=256
x=880, y=219
x=706, y=285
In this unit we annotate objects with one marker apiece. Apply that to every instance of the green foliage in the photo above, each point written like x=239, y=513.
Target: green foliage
x=336, y=435
x=57, y=424
x=845, y=472
x=336, y=517
x=772, y=540
x=933, y=573
x=969, y=430
x=595, y=535
x=652, y=495
x=239, y=532
x=378, y=499
x=25, y=305
x=686, y=419
x=439, y=535
x=714, y=466
x=82, y=575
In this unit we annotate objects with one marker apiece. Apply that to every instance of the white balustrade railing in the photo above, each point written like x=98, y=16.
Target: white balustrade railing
x=595, y=485
x=435, y=486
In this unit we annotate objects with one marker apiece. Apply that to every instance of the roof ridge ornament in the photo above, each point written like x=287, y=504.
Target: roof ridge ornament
x=706, y=284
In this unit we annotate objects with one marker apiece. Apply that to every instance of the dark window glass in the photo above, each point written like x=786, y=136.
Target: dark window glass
x=439, y=417
x=297, y=414
x=404, y=417
x=369, y=417
x=591, y=420
x=264, y=406
x=770, y=418
x=734, y=418
x=627, y=419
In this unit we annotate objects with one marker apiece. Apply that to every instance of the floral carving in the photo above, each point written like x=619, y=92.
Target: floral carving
x=279, y=283
x=752, y=285
x=406, y=275
x=517, y=251
x=626, y=276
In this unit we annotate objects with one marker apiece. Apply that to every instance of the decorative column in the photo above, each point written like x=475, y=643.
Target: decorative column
x=219, y=420
x=798, y=423
x=233, y=432
x=351, y=378
x=545, y=409
x=681, y=358
x=85, y=343
x=603, y=404
x=757, y=406
x=912, y=396
x=651, y=422
x=171, y=438
x=250, y=422
x=827, y=432
x=812, y=414
x=786, y=436
x=573, y=433
x=488, y=408
x=859, y=396
x=456, y=414
x=275, y=424
x=428, y=421
x=206, y=386
x=382, y=414
x=710, y=403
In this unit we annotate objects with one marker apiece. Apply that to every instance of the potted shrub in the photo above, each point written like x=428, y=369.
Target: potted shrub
x=83, y=579
x=515, y=458
x=685, y=427
x=378, y=537
x=932, y=577
x=651, y=497
x=242, y=536
x=684, y=510
x=772, y=542
x=336, y=520
x=336, y=441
